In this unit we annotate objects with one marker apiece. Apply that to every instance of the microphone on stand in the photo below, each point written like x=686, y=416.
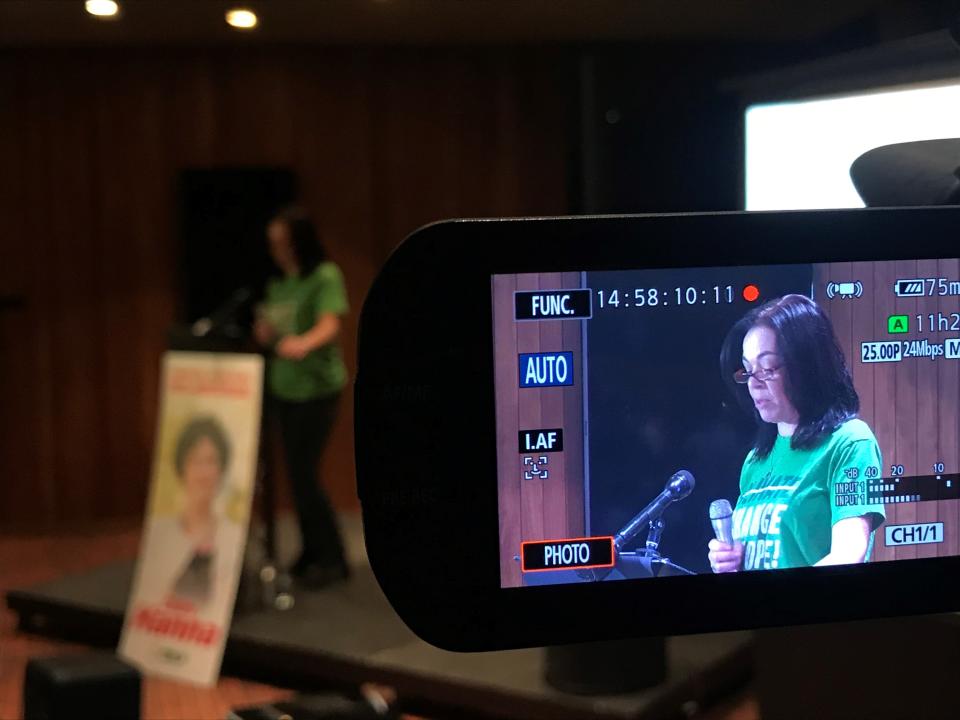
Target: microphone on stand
x=680, y=484
x=222, y=314
x=721, y=517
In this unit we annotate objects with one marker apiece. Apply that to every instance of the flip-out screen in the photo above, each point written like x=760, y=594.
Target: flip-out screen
x=666, y=422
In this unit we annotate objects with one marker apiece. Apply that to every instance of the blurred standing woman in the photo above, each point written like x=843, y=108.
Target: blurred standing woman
x=299, y=323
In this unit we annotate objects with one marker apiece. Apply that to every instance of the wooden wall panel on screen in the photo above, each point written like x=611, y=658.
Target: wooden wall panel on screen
x=905, y=404
x=530, y=413
x=508, y=475
x=948, y=404
x=927, y=383
x=573, y=423
x=854, y=320
x=884, y=396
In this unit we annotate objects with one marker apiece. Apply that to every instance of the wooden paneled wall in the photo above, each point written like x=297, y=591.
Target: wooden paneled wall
x=536, y=509
x=910, y=405
x=90, y=146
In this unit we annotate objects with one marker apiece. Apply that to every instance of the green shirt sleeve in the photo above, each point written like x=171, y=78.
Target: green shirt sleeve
x=331, y=296
x=848, y=482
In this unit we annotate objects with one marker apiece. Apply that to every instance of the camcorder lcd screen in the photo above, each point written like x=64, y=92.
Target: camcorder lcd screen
x=666, y=422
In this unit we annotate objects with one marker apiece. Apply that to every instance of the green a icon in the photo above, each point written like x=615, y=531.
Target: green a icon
x=898, y=324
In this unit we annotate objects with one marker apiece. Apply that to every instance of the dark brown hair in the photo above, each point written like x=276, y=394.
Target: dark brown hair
x=305, y=239
x=194, y=432
x=818, y=382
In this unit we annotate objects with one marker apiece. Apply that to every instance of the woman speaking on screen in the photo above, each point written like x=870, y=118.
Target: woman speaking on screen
x=802, y=487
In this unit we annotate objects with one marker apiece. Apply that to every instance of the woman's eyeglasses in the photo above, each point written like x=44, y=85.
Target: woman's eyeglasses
x=742, y=377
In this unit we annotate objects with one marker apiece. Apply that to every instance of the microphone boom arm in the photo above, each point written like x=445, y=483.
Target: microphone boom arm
x=641, y=520
x=680, y=484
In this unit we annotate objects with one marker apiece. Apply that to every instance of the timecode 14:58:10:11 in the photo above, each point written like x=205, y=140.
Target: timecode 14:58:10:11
x=653, y=297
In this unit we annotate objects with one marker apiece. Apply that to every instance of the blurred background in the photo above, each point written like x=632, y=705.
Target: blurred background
x=379, y=115
x=141, y=155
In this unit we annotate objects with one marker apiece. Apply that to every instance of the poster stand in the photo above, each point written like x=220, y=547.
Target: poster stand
x=263, y=583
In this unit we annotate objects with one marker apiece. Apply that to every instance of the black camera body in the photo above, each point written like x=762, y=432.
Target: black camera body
x=622, y=387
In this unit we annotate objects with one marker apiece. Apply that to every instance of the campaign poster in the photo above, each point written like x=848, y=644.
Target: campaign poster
x=198, y=511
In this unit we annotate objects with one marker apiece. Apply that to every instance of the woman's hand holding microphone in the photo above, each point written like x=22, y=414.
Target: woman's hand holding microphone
x=725, y=557
x=264, y=333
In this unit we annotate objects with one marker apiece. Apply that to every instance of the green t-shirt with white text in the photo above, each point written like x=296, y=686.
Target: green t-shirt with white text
x=790, y=500
x=292, y=305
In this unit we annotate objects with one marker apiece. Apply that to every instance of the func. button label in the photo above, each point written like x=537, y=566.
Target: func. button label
x=552, y=304
x=567, y=554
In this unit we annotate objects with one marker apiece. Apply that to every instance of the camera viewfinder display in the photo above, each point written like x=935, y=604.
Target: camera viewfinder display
x=668, y=422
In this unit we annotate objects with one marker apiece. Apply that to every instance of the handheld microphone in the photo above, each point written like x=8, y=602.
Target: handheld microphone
x=721, y=517
x=680, y=484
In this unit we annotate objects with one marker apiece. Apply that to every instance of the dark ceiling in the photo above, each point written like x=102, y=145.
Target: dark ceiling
x=424, y=22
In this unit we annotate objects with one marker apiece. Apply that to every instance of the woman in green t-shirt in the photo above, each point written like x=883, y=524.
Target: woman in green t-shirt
x=299, y=322
x=803, y=497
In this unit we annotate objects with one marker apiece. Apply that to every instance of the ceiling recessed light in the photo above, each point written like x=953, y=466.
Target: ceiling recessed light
x=103, y=8
x=242, y=18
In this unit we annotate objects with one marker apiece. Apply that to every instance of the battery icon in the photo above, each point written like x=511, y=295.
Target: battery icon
x=908, y=288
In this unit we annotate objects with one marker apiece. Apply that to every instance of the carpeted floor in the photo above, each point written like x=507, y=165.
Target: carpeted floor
x=29, y=560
